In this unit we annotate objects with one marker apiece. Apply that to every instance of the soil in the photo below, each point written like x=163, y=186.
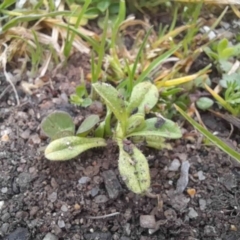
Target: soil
x=86, y=198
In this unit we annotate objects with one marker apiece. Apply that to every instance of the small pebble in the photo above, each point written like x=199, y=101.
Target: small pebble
x=35, y=139
x=25, y=134
x=127, y=229
x=5, y=227
x=94, y=191
x=61, y=223
x=5, y=138
x=52, y=197
x=24, y=180
x=64, y=208
x=170, y=215
x=57, y=230
x=84, y=180
x=50, y=236
x=19, y=234
x=209, y=231
x=32, y=169
x=183, y=179
x=1, y=204
x=54, y=184
x=229, y=181
x=4, y=190
x=201, y=177
x=202, y=204
x=112, y=184
x=34, y=210
x=147, y=221
x=175, y=164
x=77, y=206
x=101, y=199
x=192, y=213
x=5, y=217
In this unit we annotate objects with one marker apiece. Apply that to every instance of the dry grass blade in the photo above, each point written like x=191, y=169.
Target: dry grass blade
x=8, y=76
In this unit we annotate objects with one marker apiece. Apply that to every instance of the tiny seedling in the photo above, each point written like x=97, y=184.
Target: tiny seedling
x=80, y=97
x=130, y=126
x=222, y=53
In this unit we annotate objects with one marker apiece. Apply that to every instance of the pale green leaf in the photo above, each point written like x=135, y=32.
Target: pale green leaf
x=144, y=96
x=56, y=123
x=204, y=103
x=113, y=100
x=156, y=142
x=69, y=147
x=134, y=169
x=222, y=45
x=168, y=129
x=88, y=124
x=135, y=123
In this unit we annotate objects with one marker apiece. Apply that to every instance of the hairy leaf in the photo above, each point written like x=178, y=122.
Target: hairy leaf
x=134, y=169
x=168, y=129
x=113, y=100
x=152, y=141
x=69, y=147
x=135, y=123
x=144, y=96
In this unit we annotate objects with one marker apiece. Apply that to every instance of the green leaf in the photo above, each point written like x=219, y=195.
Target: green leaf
x=135, y=122
x=86, y=102
x=56, y=123
x=113, y=100
x=204, y=103
x=144, y=95
x=215, y=140
x=103, y=5
x=99, y=132
x=168, y=129
x=225, y=65
x=7, y=3
x=222, y=45
x=69, y=147
x=88, y=124
x=134, y=169
x=156, y=142
x=230, y=79
x=227, y=53
x=80, y=90
x=155, y=63
x=91, y=13
x=114, y=8
x=211, y=54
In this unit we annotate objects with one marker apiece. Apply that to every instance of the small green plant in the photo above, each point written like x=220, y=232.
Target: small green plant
x=231, y=86
x=128, y=127
x=80, y=97
x=96, y=9
x=222, y=53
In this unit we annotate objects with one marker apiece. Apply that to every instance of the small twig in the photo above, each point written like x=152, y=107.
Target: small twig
x=103, y=216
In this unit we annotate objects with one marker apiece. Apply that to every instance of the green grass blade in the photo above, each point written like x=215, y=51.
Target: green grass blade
x=156, y=63
x=219, y=143
x=131, y=77
x=27, y=18
x=7, y=3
